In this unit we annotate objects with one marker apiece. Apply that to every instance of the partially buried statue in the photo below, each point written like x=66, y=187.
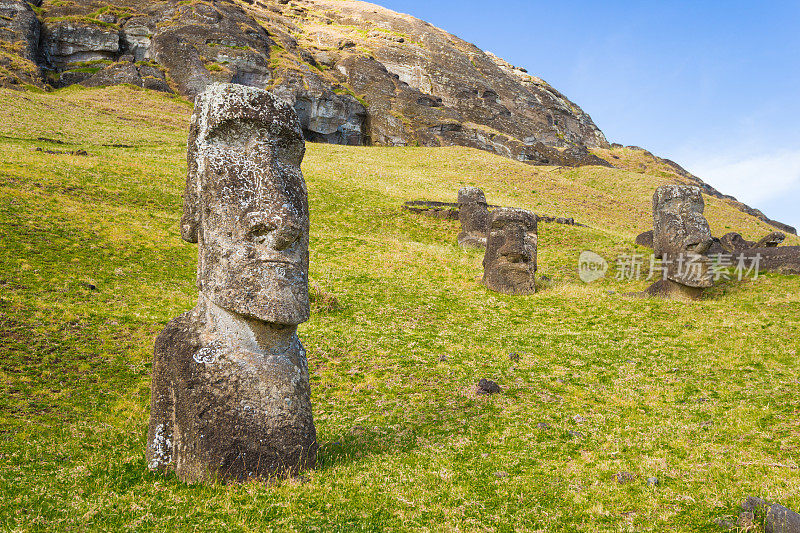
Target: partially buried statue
x=509, y=265
x=230, y=394
x=473, y=214
x=681, y=238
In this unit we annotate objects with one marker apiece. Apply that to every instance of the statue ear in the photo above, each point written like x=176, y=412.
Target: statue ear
x=190, y=221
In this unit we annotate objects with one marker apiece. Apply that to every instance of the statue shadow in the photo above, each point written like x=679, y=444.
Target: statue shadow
x=360, y=442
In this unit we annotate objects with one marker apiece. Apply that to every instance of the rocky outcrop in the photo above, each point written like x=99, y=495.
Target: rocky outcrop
x=140, y=75
x=68, y=43
x=355, y=73
x=19, y=43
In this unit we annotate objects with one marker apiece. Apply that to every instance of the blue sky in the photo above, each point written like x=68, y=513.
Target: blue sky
x=713, y=85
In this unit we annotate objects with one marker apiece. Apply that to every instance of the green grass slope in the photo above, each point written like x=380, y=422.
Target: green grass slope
x=703, y=396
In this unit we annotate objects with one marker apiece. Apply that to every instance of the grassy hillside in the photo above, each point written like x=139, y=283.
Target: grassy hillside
x=703, y=396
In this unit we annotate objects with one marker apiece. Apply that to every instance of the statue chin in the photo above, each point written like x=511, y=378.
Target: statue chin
x=289, y=308
x=270, y=292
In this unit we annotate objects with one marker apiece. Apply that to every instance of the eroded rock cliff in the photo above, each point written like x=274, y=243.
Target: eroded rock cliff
x=356, y=73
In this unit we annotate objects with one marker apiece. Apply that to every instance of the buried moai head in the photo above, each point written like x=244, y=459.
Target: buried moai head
x=681, y=235
x=473, y=214
x=230, y=395
x=509, y=265
x=246, y=204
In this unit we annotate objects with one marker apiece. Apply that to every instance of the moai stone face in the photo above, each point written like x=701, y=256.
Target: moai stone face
x=681, y=235
x=249, y=211
x=733, y=242
x=772, y=240
x=473, y=213
x=509, y=265
x=230, y=394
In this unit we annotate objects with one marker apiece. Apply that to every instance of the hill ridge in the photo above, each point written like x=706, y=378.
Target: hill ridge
x=356, y=73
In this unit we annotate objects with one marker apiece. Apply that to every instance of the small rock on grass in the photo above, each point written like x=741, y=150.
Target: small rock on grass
x=624, y=477
x=487, y=386
x=652, y=481
x=514, y=356
x=725, y=523
x=778, y=519
x=543, y=425
x=782, y=520
x=751, y=504
x=745, y=521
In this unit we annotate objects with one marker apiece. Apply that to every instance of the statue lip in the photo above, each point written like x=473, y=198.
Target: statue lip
x=516, y=266
x=280, y=262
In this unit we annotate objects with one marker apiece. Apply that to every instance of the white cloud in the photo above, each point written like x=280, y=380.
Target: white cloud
x=753, y=180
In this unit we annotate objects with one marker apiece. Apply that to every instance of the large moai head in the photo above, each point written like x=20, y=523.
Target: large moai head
x=681, y=235
x=509, y=265
x=246, y=204
x=473, y=214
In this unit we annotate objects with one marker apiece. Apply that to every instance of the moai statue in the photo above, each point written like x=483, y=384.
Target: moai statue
x=681, y=238
x=230, y=394
x=509, y=265
x=473, y=213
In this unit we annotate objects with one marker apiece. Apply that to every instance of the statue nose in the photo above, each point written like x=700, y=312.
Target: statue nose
x=286, y=235
x=279, y=232
x=514, y=249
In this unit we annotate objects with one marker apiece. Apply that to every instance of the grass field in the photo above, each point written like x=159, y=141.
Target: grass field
x=703, y=396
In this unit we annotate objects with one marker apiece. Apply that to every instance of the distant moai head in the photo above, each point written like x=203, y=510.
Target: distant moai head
x=246, y=204
x=509, y=265
x=681, y=235
x=473, y=214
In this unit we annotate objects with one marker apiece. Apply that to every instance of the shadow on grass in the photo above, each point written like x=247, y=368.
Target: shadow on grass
x=362, y=442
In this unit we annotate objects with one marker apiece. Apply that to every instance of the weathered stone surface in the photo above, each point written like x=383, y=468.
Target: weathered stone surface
x=770, y=241
x=120, y=72
x=780, y=259
x=487, y=386
x=733, y=242
x=645, y=239
x=473, y=214
x=681, y=235
x=781, y=520
x=325, y=116
x=509, y=264
x=19, y=25
x=137, y=36
x=442, y=210
x=20, y=32
x=668, y=289
x=69, y=42
x=208, y=43
x=230, y=393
